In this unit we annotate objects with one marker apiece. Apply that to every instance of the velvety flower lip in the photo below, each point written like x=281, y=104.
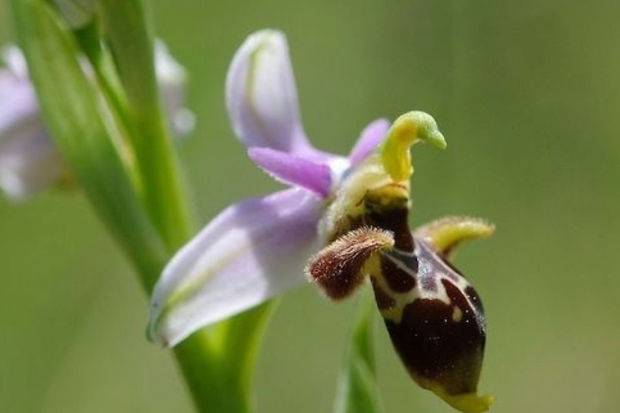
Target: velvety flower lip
x=257, y=248
x=29, y=161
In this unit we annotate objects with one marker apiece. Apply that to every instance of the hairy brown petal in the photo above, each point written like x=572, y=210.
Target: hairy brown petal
x=338, y=268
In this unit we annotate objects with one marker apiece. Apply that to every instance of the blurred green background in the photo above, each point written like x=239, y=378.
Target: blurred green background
x=528, y=96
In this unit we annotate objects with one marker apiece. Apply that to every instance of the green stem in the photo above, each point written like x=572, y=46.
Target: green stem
x=213, y=387
x=357, y=388
x=218, y=365
x=218, y=375
x=150, y=225
x=131, y=44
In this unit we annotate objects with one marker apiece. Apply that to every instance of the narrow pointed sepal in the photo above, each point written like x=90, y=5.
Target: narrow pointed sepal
x=445, y=234
x=338, y=269
x=293, y=170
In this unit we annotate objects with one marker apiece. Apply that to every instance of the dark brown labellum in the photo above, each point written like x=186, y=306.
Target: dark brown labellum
x=434, y=317
x=437, y=327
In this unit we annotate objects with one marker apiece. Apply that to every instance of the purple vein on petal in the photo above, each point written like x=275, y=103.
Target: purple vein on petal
x=293, y=170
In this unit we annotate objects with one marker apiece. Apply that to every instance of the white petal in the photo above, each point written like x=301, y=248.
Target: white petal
x=249, y=253
x=171, y=77
x=261, y=95
x=15, y=61
x=167, y=68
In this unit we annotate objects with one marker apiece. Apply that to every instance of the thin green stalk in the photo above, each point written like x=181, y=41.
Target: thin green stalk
x=214, y=387
x=357, y=390
x=217, y=364
x=72, y=111
x=130, y=41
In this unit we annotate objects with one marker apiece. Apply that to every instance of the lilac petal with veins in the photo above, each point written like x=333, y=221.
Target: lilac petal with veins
x=370, y=138
x=261, y=96
x=293, y=170
x=249, y=253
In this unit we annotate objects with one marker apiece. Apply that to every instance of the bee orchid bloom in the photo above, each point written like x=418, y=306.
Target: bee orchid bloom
x=257, y=248
x=29, y=160
x=354, y=211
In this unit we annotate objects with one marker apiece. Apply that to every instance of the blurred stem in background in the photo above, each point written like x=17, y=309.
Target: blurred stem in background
x=357, y=390
x=112, y=133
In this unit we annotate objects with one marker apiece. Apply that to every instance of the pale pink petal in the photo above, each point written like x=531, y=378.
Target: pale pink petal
x=249, y=253
x=261, y=95
x=293, y=170
x=370, y=138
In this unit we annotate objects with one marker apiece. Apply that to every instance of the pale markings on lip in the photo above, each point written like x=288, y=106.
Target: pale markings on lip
x=431, y=271
x=457, y=314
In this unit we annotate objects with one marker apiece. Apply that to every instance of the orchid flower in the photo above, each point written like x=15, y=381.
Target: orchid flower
x=29, y=160
x=344, y=219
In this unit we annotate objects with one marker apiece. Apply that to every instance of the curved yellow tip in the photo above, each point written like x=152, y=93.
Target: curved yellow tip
x=405, y=132
x=470, y=402
x=446, y=233
x=463, y=402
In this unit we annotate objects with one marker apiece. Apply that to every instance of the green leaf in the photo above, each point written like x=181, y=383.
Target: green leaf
x=357, y=388
x=129, y=39
x=80, y=124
